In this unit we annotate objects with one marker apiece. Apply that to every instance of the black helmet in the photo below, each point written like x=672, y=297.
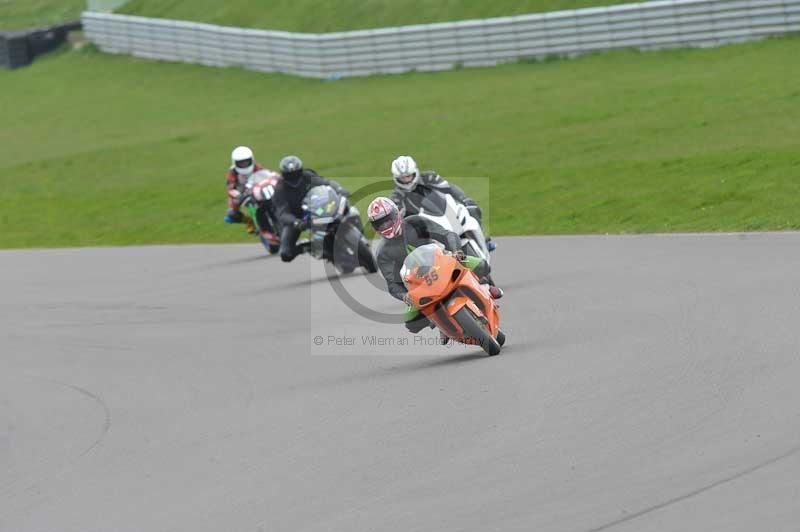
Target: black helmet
x=292, y=170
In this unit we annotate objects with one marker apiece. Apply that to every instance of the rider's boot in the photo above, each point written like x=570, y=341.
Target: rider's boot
x=233, y=216
x=415, y=321
x=251, y=226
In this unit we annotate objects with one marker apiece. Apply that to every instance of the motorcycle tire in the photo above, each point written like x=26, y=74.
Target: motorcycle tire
x=474, y=328
x=366, y=259
x=345, y=271
x=269, y=247
x=501, y=338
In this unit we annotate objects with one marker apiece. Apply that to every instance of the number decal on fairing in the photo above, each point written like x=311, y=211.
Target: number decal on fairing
x=430, y=278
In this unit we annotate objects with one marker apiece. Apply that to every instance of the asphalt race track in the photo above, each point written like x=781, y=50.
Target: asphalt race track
x=650, y=383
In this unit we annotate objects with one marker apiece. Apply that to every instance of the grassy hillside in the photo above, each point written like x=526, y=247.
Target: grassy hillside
x=98, y=149
x=21, y=14
x=325, y=15
x=294, y=15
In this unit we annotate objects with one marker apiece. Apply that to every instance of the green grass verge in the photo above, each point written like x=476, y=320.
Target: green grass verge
x=294, y=15
x=98, y=149
x=22, y=14
x=340, y=15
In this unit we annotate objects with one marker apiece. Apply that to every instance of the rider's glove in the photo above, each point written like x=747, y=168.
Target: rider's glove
x=460, y=256
x=300, y=225
x=407, y=300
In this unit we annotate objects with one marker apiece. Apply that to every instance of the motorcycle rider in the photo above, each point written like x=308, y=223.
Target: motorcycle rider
x=397, y=235
x=288, y=200
x=243, y=165
x=411, y=185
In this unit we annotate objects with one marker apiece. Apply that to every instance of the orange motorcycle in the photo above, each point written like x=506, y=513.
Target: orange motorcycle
x=451, y=297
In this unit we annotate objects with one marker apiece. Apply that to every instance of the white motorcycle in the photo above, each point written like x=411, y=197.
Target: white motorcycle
x=453, y=216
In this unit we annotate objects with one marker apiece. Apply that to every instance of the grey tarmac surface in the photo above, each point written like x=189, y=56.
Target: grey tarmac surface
x=650, y=383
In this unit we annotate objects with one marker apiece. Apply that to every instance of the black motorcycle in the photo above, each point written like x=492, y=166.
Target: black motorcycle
x=337, y=234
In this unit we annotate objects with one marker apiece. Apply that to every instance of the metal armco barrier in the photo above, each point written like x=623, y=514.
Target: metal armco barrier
x=647, y=26
x=19, y=48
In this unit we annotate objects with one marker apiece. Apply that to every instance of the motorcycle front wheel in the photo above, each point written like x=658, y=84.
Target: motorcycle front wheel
x=365, y=257
x=477, y=330
x=271, y=248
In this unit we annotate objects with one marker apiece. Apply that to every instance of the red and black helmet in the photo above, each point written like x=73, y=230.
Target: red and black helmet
x=385, y=217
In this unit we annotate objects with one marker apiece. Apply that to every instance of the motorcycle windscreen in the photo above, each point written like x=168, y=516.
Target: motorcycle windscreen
x=434, y=203
x=321, y=203
x=259, y=176
x=419, y=230
x=419, y=262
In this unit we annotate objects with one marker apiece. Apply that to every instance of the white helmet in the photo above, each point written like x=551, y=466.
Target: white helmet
x=405, y=172
x=242, y=161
